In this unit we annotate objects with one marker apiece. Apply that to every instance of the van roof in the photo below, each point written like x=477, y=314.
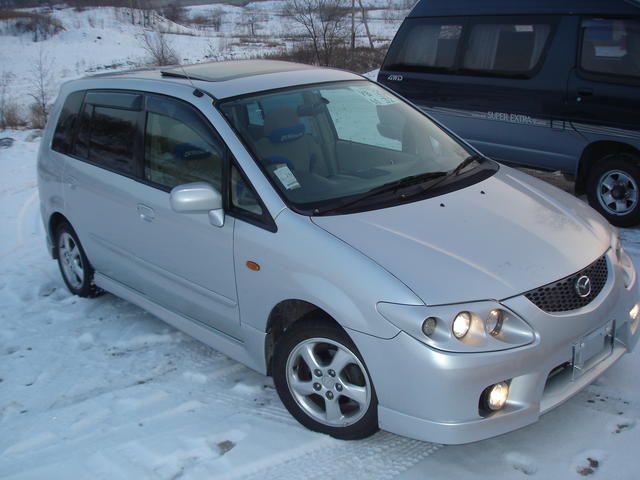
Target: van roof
x=235, y=77
x=441, y=8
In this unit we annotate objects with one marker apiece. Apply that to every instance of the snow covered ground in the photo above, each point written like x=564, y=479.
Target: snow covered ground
x=100, y=389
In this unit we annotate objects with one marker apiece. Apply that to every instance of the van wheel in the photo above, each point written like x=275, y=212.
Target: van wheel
x=76, y=270
x=322, y=380
x=613, y=189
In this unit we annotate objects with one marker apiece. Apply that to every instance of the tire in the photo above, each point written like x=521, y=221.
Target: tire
x=613, y=189
x=74, y=265
x=315, y=399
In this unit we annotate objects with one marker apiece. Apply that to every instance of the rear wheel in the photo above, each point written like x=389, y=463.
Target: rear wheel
x=613, y=189
x=322, y=380
x=75, y=268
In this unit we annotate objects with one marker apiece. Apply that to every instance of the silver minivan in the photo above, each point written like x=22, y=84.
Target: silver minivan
x=316, y=227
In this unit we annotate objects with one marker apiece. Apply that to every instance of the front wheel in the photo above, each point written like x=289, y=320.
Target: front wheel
x=613, y=189
x=322, y=380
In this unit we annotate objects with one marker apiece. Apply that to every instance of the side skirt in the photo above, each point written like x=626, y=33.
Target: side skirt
x=249, y=353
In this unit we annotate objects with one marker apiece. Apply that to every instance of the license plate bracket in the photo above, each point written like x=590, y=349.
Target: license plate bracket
x=593, y=348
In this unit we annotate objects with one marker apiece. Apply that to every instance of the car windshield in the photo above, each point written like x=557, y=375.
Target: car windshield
x=325, y=144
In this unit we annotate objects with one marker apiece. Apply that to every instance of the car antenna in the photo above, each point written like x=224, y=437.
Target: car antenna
x=196, y=91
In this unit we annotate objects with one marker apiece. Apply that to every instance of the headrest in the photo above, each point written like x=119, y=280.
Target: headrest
x=283, y=126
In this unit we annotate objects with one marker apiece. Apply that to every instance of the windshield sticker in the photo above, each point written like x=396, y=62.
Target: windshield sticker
x=376, y=95
x=286, y=177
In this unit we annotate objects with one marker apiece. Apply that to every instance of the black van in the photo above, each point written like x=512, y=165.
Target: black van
x=548, y=84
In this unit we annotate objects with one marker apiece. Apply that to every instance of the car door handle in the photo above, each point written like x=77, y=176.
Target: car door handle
x=585, y=92
x=72, y=182
x=146, y=213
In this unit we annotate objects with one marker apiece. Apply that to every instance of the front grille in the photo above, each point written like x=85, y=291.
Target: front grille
x=561, y=296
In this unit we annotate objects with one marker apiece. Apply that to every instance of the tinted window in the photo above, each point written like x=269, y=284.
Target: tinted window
x=512, y=46
x=180, y=147
x=425, y=44
x=66, y=121
x=112, y=134
x=611, y=47
x=106, y=136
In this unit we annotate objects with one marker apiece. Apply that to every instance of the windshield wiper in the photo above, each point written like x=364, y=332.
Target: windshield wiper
x=456, y=171
x=387, y=187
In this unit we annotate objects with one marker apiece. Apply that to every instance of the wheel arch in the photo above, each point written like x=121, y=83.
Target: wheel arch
x=595, y=152
x=55, y=220
x=285, y=314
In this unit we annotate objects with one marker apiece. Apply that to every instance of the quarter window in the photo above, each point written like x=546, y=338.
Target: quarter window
x=180, y=147
x=242, y=195
x=66, y=121
x=611, y=47
x=513, y=47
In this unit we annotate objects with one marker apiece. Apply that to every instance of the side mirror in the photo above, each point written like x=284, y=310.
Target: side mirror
x=198, y=197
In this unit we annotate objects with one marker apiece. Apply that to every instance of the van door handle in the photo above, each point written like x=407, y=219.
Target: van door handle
x=146, y=213
x=585, y=92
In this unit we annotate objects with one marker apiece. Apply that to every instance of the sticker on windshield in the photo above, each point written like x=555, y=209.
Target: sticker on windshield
x=376, y=95
x=286, y=177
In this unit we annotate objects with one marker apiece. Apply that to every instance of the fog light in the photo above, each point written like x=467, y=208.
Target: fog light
x=429, y=326
x=494, y=321
x=497, y=396
x=461, y=324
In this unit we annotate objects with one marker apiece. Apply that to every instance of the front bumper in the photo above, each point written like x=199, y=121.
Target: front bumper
x=434, y=395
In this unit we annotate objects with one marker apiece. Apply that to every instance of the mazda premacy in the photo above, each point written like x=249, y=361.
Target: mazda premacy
x=316, y=227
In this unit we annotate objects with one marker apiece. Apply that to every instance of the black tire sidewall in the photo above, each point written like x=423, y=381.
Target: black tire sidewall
x=303, y=330
x=626, y=163
x=87, y=289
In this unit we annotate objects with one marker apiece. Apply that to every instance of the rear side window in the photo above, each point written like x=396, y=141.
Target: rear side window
x=66, y=121
x=108, y=131
x=511, y=47
x=425, y=44
x=611, y=47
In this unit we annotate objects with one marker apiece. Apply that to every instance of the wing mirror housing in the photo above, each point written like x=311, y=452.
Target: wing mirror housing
x=198, y=197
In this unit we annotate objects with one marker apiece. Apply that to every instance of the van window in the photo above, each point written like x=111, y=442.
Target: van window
x=180, y=147
x=425, y=44
x=511, y=47
x=611, y=47
x=64, y=129
x=106, y=137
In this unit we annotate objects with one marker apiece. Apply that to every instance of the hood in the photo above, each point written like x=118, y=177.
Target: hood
x=496, y=239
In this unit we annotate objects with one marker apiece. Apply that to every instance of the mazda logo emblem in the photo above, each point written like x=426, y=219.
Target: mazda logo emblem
x=583, y=286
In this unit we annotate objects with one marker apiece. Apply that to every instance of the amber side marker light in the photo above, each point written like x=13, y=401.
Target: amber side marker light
x=253, y=266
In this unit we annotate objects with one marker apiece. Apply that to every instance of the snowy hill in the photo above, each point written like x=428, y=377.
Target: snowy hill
x=102, y=39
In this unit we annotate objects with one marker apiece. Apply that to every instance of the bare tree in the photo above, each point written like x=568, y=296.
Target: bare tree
x=324, y=21
x=158, y=49
x=366, y=24
x=216, y=18
x=5, y=80
x=41, y=83
x=251, y=17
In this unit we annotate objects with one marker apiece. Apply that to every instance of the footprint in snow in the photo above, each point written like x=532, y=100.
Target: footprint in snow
x=588, y=463
x=225, y=446
x=521, y=463
x=622, y=424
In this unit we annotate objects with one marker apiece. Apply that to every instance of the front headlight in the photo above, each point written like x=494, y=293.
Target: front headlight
x=474, y=327
x=623, y=259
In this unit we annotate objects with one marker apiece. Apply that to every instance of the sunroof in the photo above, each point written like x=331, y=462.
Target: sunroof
x=221, y=71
